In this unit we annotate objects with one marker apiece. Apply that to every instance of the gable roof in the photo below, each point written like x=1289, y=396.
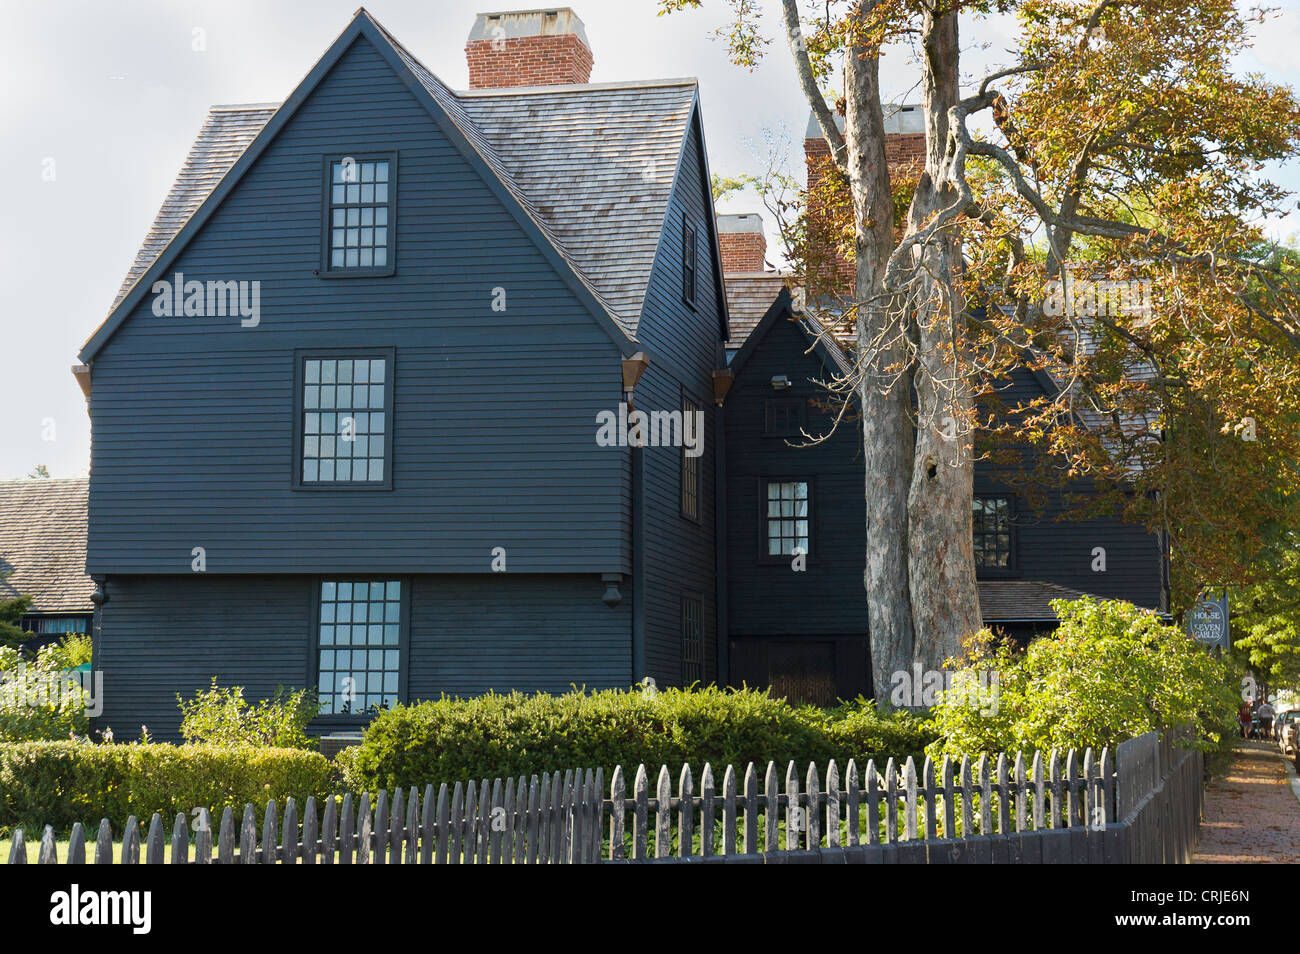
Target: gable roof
x=820, y=342
x=43, y=543
x=225, y=135
x=596, y=163
x=587, y=170
x=749, y=296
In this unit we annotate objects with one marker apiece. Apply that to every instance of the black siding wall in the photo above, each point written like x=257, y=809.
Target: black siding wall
x=468, y=635
x=494, y=417
x=685, y=346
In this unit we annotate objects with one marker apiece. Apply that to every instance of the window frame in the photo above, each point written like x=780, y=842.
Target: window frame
x=770, y=404
x=698, y=600
x=1012, y=567
x=695, y=462
x=300, y=358
x=783, y=559
x=690, y=262
x=325, y=270
x=403, y=643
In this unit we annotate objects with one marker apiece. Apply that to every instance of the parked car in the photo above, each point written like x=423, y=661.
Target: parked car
x=1284, y=730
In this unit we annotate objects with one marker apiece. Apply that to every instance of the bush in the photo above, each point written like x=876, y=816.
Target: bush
x=38, y=699
x=71, y=651
x=860, y=732
x=496, y=735
x=1111, y=671
x=59, y=783
x=223, y=717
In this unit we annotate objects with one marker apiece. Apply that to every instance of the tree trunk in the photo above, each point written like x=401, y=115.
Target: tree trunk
x=941, y=568
x=883, y=389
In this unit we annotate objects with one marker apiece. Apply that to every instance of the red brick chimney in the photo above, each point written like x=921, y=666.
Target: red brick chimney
x=528, y=48
x=904, y=152
x=742, y=242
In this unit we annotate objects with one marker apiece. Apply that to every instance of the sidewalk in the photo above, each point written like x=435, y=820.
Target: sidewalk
x=1251, y=816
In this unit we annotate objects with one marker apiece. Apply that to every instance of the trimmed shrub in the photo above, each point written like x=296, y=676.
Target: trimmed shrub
x=59, y=783
x=496, y=735
x=859, y=731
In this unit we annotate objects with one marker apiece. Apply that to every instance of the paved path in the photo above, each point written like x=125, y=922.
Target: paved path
x=1251, y=816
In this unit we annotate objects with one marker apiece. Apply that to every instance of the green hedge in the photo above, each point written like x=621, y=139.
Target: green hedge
x=492, y=736
x=59, y=783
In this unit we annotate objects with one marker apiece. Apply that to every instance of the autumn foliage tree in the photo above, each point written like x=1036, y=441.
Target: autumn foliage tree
x=1089, y=209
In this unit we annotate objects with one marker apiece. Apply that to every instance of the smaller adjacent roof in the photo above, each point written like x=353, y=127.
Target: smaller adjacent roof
x=749, y=296
x=43, y=543
x=1009, y=601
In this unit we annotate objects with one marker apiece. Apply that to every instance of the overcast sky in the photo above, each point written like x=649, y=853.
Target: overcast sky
x=108, y=94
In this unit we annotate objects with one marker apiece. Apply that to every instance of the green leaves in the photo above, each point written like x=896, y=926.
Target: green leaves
x=223, y=717
x=59, y=783
x=1111, y=671
x=449, y=740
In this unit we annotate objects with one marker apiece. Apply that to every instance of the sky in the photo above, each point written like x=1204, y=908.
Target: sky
x=100, y=100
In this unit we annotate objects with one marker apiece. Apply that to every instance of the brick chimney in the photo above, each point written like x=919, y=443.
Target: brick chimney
x=742, y=242
x=528, y=48
x=904, y=152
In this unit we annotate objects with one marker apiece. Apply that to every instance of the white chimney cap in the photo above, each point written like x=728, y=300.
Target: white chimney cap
x=516, y=24
x=740, y=222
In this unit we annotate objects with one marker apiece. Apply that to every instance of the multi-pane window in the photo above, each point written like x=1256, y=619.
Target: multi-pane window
x=690, y=464
x=359, y=216
x=991, y=526
x=360, y=645
x=692, y=640
x=345, y=420
x=785, y=417
x=787, y=517
x=55, y=625
x=688, y=261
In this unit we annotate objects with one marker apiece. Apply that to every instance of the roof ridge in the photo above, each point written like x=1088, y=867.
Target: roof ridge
x=41, y=481
x=575, y=87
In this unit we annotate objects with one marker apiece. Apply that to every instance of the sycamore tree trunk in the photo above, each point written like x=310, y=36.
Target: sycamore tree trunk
x=883, y=388
x=941, y=570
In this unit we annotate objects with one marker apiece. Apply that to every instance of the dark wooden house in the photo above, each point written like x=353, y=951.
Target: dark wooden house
x=347, y=408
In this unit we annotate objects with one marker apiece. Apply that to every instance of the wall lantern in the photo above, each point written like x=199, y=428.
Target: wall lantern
x=780, y=382
x=633, y=368
x=612, y=596
x=723, y=379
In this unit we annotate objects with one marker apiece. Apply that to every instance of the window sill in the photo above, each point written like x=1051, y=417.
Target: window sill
x=356, y=272
x=338, y=485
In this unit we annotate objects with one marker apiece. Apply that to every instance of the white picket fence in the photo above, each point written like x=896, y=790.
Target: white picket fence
x=1066, y=807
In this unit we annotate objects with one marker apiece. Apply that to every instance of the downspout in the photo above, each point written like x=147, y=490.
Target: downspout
x=720, y=545
x=638, y=566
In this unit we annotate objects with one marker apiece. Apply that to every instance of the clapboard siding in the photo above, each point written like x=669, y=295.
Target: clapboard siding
x=494, y=412
x=504, y=631
x=685, y=346
x=163, y=637
x=773, y=599
x=468, y=635
x=828, y=599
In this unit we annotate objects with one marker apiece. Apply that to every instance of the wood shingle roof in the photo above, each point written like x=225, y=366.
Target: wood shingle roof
x=43, y=543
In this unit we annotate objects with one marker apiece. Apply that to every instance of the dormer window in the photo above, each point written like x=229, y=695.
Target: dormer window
x=360, y=207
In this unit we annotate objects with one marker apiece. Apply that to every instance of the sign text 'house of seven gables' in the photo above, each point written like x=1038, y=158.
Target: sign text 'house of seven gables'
x=496, y=423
